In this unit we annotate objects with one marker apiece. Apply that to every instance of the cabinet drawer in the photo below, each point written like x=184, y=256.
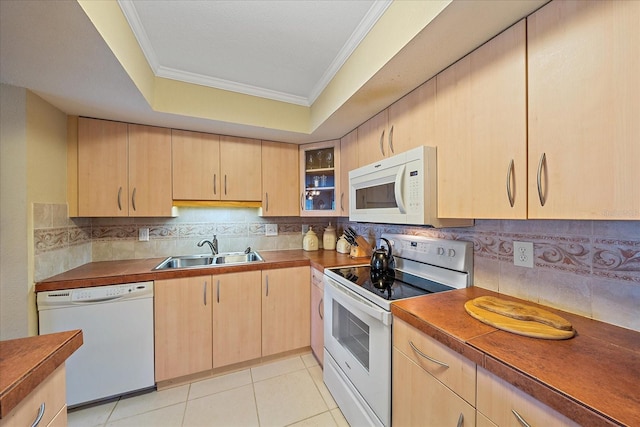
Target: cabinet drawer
x=316, y=278
x=452, y=369
x=51, y=392
x=497, y=399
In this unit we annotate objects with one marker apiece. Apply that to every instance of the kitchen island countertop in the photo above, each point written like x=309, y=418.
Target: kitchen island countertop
x=26, y=362
x=591, y=378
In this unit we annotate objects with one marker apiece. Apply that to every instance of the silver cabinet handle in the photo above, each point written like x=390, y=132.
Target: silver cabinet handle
x=39, y=417
x=381, y=143
x=341, y=201
x=431, y=359
x=225, y=184
x=266, y=195
x=267, y=282
x=521, y=420
x=542, y=163
x=460, y=420
x=301, y=199
x=204, y=292
x=391, y=150
x=218, y=291
x=509, y=179
x=214, y=184
x=119, y=198
x=319, y=309
x=133, y=198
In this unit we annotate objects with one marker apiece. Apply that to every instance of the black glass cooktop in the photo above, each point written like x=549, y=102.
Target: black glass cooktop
x=392, y=284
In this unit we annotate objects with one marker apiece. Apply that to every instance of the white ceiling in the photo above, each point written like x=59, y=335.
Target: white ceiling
x=283, y=50
x=53, y=49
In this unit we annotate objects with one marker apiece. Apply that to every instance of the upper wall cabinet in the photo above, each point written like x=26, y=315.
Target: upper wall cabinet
x=122, y=170
x=584, y=113
x=348, y=162
x=212, y=167
x=320, y=178
x=373, y=139
x=279, y=179
x=481, y=125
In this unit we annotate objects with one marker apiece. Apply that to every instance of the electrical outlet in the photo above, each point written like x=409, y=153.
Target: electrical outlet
x=143, y=234
x=271, y=229
x=523, y=254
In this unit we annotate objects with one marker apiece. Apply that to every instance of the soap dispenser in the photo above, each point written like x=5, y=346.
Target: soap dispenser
x=310, y=241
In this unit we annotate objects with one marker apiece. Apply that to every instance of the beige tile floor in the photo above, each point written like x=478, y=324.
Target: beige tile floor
x=286, y=392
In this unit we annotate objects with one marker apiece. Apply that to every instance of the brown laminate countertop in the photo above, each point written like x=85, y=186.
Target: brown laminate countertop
x=140, y=270
x=592, y=378
x=26, y=362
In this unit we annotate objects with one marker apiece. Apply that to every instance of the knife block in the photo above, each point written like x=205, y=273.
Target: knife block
x=358, y=252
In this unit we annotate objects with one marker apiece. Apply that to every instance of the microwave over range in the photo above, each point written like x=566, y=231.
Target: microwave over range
x=401, y=189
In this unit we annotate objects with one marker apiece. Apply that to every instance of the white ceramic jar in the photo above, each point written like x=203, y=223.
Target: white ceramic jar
x=310, y=241
x=329, y=238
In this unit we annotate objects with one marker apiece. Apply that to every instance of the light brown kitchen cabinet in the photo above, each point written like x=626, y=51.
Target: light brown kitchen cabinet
x=481, y=113
x=286, y=314
x=505, y=405
x=183, y=327
x=48, y=396
x=196, y=165
x=412, y=119
x=584, y=130
x=373, y=139
x=241, y=168
x=320, y=178
x=348, y=162
x=123, y=169
x=317, y=315
x=279, y=179
x=236, y=317
x=431, y=384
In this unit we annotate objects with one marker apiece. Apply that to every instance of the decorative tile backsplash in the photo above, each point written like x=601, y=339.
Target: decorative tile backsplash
x=591, y=268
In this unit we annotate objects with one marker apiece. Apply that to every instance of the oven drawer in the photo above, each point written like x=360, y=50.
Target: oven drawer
x=459, y=376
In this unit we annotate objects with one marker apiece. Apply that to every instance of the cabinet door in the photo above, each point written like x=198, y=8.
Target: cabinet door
x=241, y=168
x=348, y=162
x=320, y=178
x=418, y=399
x=286, y=316
x=182, y=326
x=149, y=171
x=412, y=119
x=584, y=132
x=196, y=165
x=499, y=401
x=279, y=179
x=373, y=139
x=102, y=168
x=236, y=318
x=481, y=126
x=317, y=315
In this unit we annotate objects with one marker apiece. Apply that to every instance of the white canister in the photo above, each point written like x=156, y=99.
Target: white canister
x=329, y=238
x=310, y=241
x=342, y=246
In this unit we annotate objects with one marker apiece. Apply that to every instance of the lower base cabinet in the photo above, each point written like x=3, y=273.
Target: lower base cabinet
x=49, y=397
x=501, y=404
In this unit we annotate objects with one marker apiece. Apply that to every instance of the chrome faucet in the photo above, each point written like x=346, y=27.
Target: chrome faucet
x=213, y=244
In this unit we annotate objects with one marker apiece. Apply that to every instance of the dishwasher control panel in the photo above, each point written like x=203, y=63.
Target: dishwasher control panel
x=95, y=294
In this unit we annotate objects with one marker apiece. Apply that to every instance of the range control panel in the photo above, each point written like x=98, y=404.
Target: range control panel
x=453, y=254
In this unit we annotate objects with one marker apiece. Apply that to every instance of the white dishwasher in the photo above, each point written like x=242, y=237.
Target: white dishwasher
x=116, y=356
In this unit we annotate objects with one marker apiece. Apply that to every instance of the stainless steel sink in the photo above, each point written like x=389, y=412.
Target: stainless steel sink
x=199, y=261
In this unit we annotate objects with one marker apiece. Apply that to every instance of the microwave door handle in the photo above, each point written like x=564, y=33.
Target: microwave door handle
x=398, y=189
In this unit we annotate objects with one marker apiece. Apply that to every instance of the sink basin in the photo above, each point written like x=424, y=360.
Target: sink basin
x=196, y=261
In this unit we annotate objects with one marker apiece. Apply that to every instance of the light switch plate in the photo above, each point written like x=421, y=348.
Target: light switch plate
x=143, y=234
x=271, y=229
x=523, y=254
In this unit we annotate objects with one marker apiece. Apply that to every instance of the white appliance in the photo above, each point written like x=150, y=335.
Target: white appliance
x=401, y=189
x=357, y=319
x=117, y=354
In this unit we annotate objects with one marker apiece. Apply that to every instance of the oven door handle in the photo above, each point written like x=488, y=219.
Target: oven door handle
x=357, y=303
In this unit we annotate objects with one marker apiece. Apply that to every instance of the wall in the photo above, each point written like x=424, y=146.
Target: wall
x=591, y=268
x=13, y=213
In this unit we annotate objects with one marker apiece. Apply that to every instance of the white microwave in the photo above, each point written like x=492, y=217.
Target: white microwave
x=399, y=190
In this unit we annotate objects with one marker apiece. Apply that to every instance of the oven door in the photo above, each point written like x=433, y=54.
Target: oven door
x=357, y=335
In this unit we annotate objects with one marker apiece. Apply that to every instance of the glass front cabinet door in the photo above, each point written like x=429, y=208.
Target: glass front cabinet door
x=320, y=178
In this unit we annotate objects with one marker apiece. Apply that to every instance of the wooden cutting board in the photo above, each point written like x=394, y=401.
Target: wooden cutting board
x=521, y=319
